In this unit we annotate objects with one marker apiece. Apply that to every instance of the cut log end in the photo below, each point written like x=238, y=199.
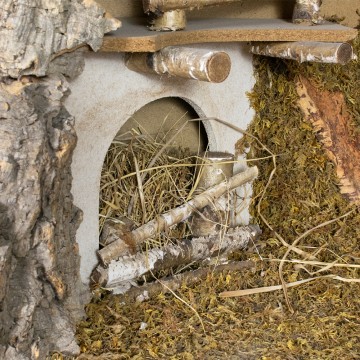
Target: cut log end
x=218, y=67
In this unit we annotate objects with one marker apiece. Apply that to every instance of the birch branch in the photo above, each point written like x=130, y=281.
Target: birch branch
x=187, y=63
x=306, y=51
x=175, y=216
x=172, y=283
x=128, y=268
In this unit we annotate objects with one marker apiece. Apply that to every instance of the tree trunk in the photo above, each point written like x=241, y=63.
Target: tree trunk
x=41, y=295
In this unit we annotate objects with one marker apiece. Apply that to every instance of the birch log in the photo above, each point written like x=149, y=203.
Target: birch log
x=173, y=20
x=129, y=268
x=188, y=63
x=175, y=216
x=150, y=290
x=307, y=12
x=159, y=6
x=336, y=53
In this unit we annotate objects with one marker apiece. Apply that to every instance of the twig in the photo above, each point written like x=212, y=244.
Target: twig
x=295, y=242
x=265, y=289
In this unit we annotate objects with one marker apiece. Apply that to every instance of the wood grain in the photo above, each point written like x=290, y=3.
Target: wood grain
x=135, y=37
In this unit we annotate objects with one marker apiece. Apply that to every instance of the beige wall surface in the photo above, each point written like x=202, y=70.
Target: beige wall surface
x=245, y=9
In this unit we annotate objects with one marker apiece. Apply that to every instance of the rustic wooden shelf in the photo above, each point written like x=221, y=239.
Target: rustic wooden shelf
x=134, y=36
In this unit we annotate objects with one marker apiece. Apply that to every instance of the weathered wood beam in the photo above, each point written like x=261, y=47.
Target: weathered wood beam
x=169, y=15
x=188, y=63
x=175, y=216
x=307, y=12
x=128, y=268
x=338, y=53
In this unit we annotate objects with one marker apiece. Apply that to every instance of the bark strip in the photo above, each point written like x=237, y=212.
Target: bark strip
x=177, y=215
x=334, y=126
x=131, y=267
x=306, y=51
x=188, y=63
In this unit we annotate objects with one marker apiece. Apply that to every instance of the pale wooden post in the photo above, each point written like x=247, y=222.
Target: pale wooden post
x=307, y=12
x=188, y=63
x=306, y=51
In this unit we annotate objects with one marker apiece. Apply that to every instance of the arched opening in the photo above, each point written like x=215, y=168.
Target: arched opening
x=149, y=167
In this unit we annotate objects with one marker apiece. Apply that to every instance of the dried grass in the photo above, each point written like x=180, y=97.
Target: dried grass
x=140, y=181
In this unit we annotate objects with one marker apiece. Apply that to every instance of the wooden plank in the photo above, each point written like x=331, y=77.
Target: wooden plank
x=134, y=36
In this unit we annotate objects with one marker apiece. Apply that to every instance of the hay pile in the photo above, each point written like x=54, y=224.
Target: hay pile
x=302, y=194
x=142, y=179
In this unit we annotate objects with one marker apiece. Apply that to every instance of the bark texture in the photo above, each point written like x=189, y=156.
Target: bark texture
x=34, y=32
x=41, y=296
x=333, y=124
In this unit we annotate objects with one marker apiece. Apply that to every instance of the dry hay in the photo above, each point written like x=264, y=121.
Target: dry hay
x=141, y=179
x=303, y=193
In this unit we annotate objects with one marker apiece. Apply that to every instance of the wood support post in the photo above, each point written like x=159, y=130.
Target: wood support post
x=188, y=63
x=172, y=20
x=169, y=15
x=215, y=167
x=156, y=6
x=306, y=12
x=339, y=53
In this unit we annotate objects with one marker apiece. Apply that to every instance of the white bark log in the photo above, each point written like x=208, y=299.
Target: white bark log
x=156, y=6
x=173, y=283
x=177, y=215
x=188, y=63
x=336, y=53
x=128, y=268
x=307, y=12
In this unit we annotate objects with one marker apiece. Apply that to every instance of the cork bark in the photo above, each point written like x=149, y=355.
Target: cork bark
x=41, y=296
x=328, y=113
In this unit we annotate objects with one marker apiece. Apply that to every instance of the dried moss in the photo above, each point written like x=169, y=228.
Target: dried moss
x=303, y=194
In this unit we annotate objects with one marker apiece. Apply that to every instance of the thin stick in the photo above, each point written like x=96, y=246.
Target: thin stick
x=295, y=242
x=265, y=289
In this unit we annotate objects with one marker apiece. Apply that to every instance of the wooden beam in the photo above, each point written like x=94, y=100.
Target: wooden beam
x=335, y=53
x=188, y=63
x=134, y=36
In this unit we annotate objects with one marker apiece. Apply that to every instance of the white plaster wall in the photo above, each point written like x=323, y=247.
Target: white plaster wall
x=107, y=94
